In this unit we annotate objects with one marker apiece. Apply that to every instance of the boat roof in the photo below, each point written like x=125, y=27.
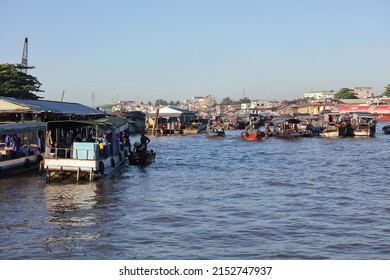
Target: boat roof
x=22, y=127
x=38, y=106
x=106, y=125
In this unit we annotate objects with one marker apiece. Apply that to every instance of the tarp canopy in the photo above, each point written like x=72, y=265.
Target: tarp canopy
x=22, y=127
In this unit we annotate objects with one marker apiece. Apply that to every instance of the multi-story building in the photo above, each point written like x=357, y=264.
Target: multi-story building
x=363, y=92
x=318, y=95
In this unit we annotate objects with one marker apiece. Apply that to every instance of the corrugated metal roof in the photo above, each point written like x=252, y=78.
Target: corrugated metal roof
x=39, y=106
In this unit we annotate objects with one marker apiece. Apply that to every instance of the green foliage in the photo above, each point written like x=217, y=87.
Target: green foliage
x=160, y=102
x=244, y=100
x=14, y=83
x=387, y=91
x=174, y=103
x=226, y=100
x=345, y=93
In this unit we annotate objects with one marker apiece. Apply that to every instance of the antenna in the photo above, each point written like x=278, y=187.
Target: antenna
x=24, y=63
x=62, y=97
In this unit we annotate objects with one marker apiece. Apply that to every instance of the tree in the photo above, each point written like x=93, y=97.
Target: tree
x=245, y=100
x=387, y=91
x=226, y=100
x=160, y=102
x=345, y=93
x=14, y=83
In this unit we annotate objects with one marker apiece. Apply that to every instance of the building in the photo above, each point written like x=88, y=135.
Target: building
x=318, y=95
x=363, y=92
x=170, y=120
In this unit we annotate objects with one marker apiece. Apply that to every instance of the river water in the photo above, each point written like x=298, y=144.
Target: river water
x=202, y=198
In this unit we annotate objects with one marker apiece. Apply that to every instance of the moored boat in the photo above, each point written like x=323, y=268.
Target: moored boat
x=332, y=130
x=21, y=147
x=363, y=125
x=287, y=129
x=85, y=148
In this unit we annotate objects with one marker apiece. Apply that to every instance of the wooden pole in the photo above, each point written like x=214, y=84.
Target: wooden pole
x=155, y=121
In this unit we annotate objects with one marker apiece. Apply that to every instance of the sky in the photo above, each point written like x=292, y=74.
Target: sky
x=103, y=51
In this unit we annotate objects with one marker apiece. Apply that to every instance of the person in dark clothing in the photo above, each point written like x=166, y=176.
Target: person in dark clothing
x=144, y=140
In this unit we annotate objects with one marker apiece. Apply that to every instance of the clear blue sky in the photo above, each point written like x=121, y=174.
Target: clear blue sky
x=176, y=49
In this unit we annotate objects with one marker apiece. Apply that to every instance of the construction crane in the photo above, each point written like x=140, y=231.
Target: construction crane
x=24, y=64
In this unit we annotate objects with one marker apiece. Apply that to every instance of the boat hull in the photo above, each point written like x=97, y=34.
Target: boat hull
x=140, y=159
x=61, y=168
x=18, y=165
x=213, y=134
x=252, y=136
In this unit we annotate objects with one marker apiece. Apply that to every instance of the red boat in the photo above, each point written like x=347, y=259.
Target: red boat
x=252, y=135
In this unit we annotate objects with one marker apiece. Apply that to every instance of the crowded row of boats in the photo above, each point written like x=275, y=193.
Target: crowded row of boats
x=334, y=126
x=92, y=148
x=70, y=148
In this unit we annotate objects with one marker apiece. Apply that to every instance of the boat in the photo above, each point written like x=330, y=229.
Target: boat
x=85, y=148
x=332, y=130
x=287, y=129
x=363, y=125
x=139, y=157
x=21, y=147
x=215, y=132
x=386, y=129
x=252, y=135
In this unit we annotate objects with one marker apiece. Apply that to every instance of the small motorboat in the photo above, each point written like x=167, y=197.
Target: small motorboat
x=216, y=132
x=252, y=135
x=140, y=157
x=386, y=129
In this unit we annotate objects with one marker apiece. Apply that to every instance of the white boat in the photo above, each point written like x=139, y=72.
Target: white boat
x=86, y=148
x=332, y=130
x=21, y=146
x=363, y=125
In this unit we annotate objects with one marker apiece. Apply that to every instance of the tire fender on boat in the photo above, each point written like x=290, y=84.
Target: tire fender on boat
x=113, y=162
x=27, y=163
x=101, y=167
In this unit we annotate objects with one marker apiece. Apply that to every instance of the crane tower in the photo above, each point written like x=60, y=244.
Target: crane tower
x=24, y=64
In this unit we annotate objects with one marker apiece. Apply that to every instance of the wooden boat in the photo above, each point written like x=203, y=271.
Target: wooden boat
x=86, y=148
x=332, y=130
x=252, y=135
x=21, y=147
x=363, y=125
x=215, y=132
x=386, y=129
x=364, y=130
x=138, y=157
x=288, y=129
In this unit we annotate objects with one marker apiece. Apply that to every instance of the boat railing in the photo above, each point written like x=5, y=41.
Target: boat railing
x=72, y=153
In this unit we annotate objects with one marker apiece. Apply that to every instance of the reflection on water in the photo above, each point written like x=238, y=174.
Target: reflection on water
x=68, y=211
x=211, y=199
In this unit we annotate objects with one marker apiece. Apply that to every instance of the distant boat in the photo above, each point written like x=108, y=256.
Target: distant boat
x=215, y=132
x=386, y=129
x=252, y=135
x=86, y=148
x=287, y=129
x=21, y=146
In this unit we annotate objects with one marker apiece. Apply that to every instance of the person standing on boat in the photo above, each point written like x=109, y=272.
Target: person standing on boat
x=144, y=140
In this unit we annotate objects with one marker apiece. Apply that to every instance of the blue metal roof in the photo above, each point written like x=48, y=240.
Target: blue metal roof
x=38, y=106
